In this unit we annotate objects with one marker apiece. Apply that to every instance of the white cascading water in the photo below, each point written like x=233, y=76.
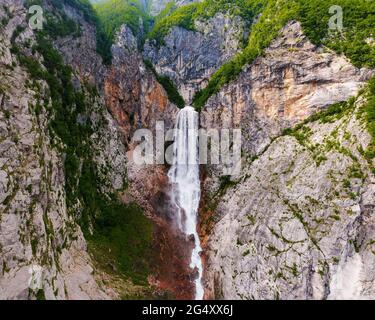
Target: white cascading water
x=346, y=282
x=184, y=177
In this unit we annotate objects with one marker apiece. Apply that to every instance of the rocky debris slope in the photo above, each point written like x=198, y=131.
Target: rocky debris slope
x=298, y=222
x=190, y=58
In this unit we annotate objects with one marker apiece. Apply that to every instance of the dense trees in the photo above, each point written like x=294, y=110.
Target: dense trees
x=114, y=13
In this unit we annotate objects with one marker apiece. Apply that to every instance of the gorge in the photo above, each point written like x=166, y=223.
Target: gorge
x=80, y=220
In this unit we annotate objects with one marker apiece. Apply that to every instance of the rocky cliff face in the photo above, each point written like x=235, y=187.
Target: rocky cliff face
x=80, y=51
x=40, y=239
x=190, y=58
x=40, y=242
x=298, y=221
x=293, y=80
x=137, y=101
x=132, y=93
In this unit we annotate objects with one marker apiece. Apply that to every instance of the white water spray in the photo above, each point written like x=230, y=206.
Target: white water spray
x=184, y=177
x=346, y=282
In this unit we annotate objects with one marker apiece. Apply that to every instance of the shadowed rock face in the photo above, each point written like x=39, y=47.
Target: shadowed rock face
x=36, y=231
x=80, y=52
x=190, y=58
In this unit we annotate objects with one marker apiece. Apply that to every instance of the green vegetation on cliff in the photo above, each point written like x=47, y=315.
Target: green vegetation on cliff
x=114, y=13
x=168, y=85
x=102, y=39
x=353, y=41
x=275, y=14
x=185, y=16
x=117, y=233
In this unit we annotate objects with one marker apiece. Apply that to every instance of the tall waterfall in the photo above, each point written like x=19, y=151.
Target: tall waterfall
x=184, y=177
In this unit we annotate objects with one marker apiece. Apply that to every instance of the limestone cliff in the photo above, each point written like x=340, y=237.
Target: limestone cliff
x=40, y=241
x=190, y=58
x=293, y=80
x=41, y=238
x=298, y=220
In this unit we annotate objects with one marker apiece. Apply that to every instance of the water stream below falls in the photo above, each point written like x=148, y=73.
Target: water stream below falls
x=184, y=178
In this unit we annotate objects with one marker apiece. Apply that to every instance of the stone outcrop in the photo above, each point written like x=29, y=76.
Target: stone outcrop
x=190, y=58
x=132, y=94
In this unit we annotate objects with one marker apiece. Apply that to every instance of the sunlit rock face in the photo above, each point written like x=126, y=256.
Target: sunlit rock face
x=132, y=93
x=297, y=221
x=295, y=228
x=293, y=80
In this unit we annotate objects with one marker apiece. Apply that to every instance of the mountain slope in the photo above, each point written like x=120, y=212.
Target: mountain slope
x=64, y=165
x=301, y=210
x=81, y=221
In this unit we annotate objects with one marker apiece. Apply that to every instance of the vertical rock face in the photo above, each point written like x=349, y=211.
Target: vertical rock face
x=132, y=93
x=190, y=58
x=298, y=219
x=293, y=80
x=137, y=101
x=80, y=51
x=40, y=243
x=299, y=224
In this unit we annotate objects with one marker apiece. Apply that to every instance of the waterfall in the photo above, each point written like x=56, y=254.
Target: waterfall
x=184, y=178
